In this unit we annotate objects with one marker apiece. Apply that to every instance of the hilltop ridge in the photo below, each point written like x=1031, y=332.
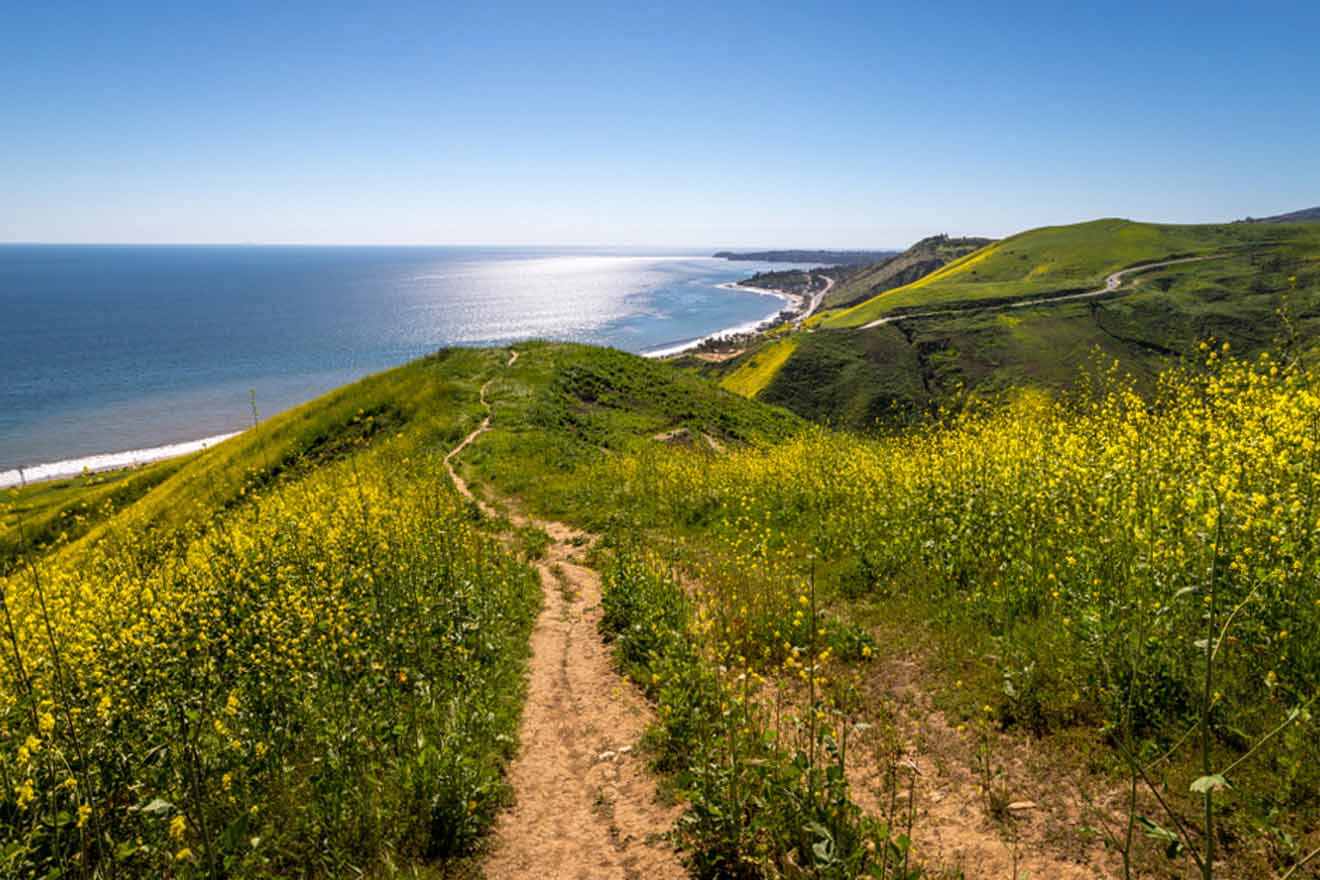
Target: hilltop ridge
x=916, y=262
x=1306, y=215
x=1034, y=309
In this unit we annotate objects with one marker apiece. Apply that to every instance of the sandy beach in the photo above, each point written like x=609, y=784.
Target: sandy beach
x=791, y=299
x=110, y=461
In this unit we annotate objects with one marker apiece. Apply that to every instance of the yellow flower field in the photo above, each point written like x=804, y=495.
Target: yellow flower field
x=325, y=676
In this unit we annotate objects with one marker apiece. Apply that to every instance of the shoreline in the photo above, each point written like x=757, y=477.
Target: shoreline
x=113, y=461
x=105, y=461
x=758, y=326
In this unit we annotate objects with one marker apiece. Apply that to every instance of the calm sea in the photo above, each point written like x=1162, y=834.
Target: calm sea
x=107, y=348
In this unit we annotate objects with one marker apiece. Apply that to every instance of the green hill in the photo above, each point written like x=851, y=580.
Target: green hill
x=1306, y=215
x=989, y=321
x=916, y=262
x=584, y=400
x=305, y=652
x=1065, y=259
x=302, y=651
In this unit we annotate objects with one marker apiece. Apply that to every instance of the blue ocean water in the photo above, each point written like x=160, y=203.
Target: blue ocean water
x=111, y=348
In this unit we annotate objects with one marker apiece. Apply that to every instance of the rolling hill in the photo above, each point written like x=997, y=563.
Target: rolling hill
x=1061, y=260
x=1306, y=215
x=916, y=262
x=992, y=320
x=316, y=650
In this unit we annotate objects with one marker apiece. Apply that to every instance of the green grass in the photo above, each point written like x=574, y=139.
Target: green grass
x=564, y=407
x=428, y=404
x=299, y=652
x=1256, y=299
x=36, y=516
x=371, y=629
x=1047, y=559
x=755, y=370
x=924, y=257
x=1067, y=258
x=850, y=379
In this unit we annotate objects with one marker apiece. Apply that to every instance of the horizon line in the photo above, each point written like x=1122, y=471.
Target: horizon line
x=406, y=244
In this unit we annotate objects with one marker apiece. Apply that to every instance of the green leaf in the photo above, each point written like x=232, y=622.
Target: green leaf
x=1213, y=782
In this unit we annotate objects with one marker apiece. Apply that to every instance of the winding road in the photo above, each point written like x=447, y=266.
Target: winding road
x=1112, y=284
x=816, y=300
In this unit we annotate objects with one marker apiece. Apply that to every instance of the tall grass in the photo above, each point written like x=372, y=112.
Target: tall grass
x=323, y=679
x=760, y=749
x=1146, y=567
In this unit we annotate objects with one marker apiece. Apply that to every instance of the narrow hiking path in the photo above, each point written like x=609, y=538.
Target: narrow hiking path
x=1112, y=283
x=458, y=481
x=584, y=802
x=586, y=806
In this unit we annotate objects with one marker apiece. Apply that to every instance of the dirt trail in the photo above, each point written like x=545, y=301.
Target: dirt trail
x=458, y=481
x=585, y=804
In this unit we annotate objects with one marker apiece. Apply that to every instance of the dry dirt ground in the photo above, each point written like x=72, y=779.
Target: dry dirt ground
x=1032, y=825
x=585, y=805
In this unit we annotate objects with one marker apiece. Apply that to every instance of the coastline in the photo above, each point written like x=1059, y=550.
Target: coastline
x=112, y=461
x=107, y=461
x=792, y=299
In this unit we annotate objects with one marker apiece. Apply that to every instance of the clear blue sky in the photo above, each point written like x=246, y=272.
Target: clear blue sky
x=709, y=124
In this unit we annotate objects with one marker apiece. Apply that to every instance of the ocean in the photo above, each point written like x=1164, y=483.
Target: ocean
x=114, y=349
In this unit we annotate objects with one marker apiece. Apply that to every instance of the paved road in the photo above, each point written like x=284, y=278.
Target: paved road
x=1112, y=283
x=815, y=301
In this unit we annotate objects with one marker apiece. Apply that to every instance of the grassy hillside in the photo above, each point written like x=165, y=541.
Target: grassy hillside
x=921, y=259
x=63, y=510
x=302, y=651
x=297, y=652
x=756, y=370
x=856, y=377
x=427, y=404
x=563, y=407
x=1052, y=570
x=1062, y=259
x=1261, y=291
